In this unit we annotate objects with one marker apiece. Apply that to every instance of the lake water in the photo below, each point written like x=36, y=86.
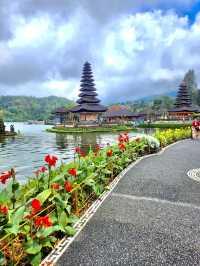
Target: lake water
x=26, y=152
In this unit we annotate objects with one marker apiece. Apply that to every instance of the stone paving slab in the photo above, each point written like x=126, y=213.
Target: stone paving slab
x=151, y=218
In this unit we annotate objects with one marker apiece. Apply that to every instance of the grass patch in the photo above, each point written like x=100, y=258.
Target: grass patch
x=90, y=130
x=165, y=125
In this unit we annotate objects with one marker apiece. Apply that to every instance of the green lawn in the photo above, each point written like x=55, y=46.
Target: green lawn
x=90, y=129
x=165, y=125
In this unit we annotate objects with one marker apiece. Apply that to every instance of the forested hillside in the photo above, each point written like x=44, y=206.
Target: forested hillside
x=23, y=108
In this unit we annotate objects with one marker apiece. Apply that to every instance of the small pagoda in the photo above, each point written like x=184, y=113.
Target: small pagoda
x=2, y=126
x=183, y=108
x=89, y=109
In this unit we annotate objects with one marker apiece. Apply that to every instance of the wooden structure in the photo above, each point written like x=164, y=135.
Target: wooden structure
x=120, y=114
x=183, y=108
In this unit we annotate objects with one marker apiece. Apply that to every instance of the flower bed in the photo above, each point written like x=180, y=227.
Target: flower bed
x=35, y=216
x=169, y=136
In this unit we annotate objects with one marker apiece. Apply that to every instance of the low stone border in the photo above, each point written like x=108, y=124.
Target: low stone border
x=62, y=246
x=194, y=174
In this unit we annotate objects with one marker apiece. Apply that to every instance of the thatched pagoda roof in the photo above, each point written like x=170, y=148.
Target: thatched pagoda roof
x=87, y=102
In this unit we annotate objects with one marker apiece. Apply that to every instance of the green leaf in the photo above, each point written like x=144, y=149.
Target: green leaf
x=70, y=230
x=4, y=197
x=2, y=259
x=33, y=247
x=63, y=219
x=14, y=229
x=43, y=196
x=46, y=243
x=25, y=229
x=48, y=231
x=89, y=182
x=15, y=186
x=17, y=216
x=36, y=259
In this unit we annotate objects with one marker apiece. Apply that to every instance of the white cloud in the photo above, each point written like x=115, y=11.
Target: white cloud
x=133, y=55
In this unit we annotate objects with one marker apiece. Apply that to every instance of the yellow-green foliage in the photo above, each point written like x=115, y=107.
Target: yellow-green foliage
x=171, y=135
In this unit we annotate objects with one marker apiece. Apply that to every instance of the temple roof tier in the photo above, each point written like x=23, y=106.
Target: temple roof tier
x=87, y=93
x=88, y=100
x=88, y=108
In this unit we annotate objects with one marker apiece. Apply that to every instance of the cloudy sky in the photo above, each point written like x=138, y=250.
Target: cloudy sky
x=136, y=48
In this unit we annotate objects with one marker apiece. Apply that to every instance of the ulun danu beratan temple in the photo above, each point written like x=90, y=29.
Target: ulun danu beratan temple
x=88, y=110
x=183, y=108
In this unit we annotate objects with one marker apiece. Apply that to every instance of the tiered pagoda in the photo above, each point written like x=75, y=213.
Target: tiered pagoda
x=88, y=110
x=183, y=106
x=2, y=126
x=89, y=107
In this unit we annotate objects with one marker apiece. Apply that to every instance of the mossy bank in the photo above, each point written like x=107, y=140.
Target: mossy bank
x=90, y=129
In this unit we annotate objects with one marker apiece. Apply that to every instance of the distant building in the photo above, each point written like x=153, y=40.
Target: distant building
x=89, y=110
x=120, y=114
x=183, y=108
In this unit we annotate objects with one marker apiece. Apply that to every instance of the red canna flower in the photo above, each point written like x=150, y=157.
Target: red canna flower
x=5, y=176
x=72, y=171
x=126, y=137
x=55, y=186
x=3, y=209
x=43, y=221
x=29, y=216
x=122, y=146
x=109, y=153
x=51, y=160
x=82, y=153
x=77, y=150
x=37, y=172
x=36, y=205
x=43, y=169
x=68, y=186
x=121, y=138
x=98, y=148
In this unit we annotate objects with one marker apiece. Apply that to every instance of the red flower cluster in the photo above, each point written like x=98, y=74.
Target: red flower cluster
x=109, y=153
x=68, y=186
x=196, y=123
x=55, y=186
x=72, y=171
x=36, y=207
x=3, y=209
x=5, y=176
x=123, y=138
x=126, y=137
x=51, y=160
x=122, y=146
x=43, y=169
x=79, y=152
x=40, y=170
x=98, y=148
x=43, y=221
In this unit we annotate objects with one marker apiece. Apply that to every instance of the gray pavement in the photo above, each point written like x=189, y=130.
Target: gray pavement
x=151, y=218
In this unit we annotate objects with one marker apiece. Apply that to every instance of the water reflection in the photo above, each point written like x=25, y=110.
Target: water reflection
x=26, y=151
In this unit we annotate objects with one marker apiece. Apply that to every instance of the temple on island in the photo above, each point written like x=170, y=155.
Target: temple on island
x=88, y=110
x=183, y=108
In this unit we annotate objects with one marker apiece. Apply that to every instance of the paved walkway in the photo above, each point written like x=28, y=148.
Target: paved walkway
x=151, y=218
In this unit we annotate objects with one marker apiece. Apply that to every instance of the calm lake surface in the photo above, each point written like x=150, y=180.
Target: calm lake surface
x=26, y=152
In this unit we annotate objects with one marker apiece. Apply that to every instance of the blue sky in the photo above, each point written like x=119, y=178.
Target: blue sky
x=137, y=48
